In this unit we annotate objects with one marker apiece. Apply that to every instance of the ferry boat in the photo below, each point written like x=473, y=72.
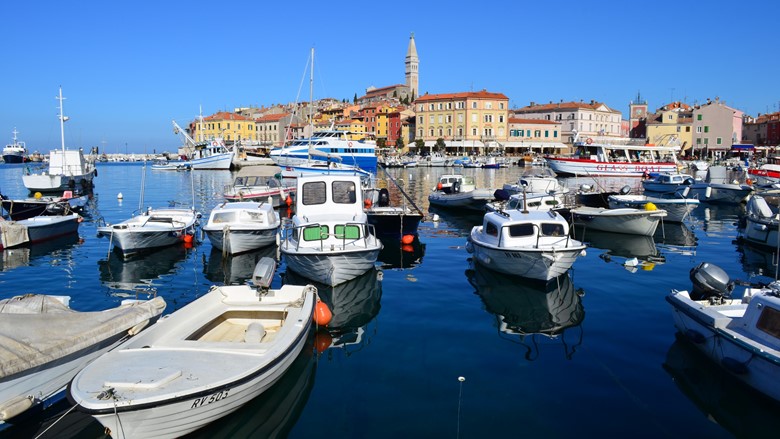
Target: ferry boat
x=358, y=153
x=14, y=152
x=615, y=157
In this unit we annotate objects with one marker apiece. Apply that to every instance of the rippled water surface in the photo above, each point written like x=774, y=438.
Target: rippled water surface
x=592, y=355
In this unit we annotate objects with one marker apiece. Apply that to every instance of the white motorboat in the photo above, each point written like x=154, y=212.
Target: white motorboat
x=319, y=163
x=667, y=182
x=200, y=363
x=716, y=188
x=45, y=343
x=528, y=201
x=171, y=165
x=15, y=152
x=258, y=183
x=536, y=183
x=739, y=333
x=37, y=229
x=530, y=244
x=152, y=229
x=25, y=208
x=329, y=239
x=626, y=220
x=212, y=155
x=68, y=169
x=677, y=209
x=240, y=227
x=761, y=223
x=458, y=191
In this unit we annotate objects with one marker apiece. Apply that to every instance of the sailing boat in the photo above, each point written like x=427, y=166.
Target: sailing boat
x=68, y=169
x=152, y=229
x=330, y=142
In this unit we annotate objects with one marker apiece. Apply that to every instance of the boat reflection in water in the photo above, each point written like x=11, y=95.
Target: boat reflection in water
x=140, y=273
x=623, y=248
x=396, y=254
x=236, y=269
x=26, y=255
x=354, y=305
x=676, y=237
x=759, y=261
x=728, y=402
x=531, y=310
x=274, y=413
x=718, y=218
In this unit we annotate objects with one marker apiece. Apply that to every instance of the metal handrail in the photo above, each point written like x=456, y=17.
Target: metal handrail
x=367, y=229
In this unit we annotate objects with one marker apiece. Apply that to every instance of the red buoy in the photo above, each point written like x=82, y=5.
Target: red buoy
x=288, y=201
x=439, y=186
x=407, y=248
x=322, y=314
x=407, y=239
x=322, y=341
x=367, y=203
x=187, y=239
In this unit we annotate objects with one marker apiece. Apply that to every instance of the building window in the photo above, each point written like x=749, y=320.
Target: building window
x=718, y=140
x=537, y=133
x=431, y=132
x=488, y=105
x=555, y=134
x=440, y=118
x=474, y=118
x=500, y=118
x=698, y=141
x=421, y=120
x=440, y=106
x=474, y=105
x=687, y=129
x=449, y=119
x=460, y=117
x=546, y=133
x=706, y=129
x=500, y=105
x=698, y=129
x=430, y=119
x=669, y=117
x=488, y=118
x=678, y=129
x=474, y=131
x=706, y=141
x=698, y=117
x=522, y=133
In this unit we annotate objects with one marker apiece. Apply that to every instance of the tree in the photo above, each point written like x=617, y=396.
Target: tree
x=399, y=143
x=381, y=143
x=440, y=145
x=354, y=99
x=420, y=144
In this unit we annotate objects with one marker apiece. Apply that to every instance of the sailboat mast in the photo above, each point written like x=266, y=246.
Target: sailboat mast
x=311, y=92
x=62, y=123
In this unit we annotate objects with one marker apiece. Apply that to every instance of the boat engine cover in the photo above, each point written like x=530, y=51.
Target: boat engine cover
x=709, y=280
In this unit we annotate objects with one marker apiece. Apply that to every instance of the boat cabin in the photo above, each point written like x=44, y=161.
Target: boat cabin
x=454, y=183
x=519, y=229
x=673, y=179
x=534, y=201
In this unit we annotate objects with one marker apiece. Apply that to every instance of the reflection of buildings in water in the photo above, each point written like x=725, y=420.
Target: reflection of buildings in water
x=275, y=412
x=395, y=254
x=723, y=399
x=140, y=272
x=354, y=304
x=236, y=269
x=530, y=309
x=61, y=248
x=676, y=237
x=758, y=261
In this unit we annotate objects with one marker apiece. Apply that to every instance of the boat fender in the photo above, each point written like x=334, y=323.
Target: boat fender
x=439, y=186
x=137, y=328
x=95, y=171
x=708, y=192
x=367, y=203
x=322, y=314
x=15, y=407
x=255, y=332
x=456, y=187
x=407, y=239
x=650, y=206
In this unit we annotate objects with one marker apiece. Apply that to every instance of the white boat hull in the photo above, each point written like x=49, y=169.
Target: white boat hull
x=540, y=264
x=57, y=183
x=237, y=240
x=677, y=209
x=585, y=167
x=330, y=267
x=629, y=221
x=155, y=229
x=221, y=161
x=472, y=200
x=717, y=192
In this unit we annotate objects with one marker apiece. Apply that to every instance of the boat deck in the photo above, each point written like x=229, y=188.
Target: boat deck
x=241, y=327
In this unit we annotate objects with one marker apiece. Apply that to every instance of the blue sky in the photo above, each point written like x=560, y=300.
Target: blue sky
x=128, y=68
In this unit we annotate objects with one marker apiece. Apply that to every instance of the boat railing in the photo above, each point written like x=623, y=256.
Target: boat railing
x=297, y=232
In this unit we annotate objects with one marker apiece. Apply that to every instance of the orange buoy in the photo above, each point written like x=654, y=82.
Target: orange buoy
x=407, y=239
x=322, y=341
x=322, y=314
x=367, y=203
x=749, y=182
x=439, y=186
x=288, y=201
x=407, y=248
x=188, y=239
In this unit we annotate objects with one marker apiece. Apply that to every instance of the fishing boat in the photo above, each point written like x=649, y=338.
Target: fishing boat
x=458, y=191
x=37, y=229
x=259, y=183
x=738, y=333
x=615, y=157
x=716, y=188
x=43, y=205
x=68, y=169
x=240, y=227
x=667, y=182
x=625, y=220
x=536, y=182
x=164, y=383
x=329, y=239
x=529, y=244
x=45, y=343
x=15, y=152
x=206, y=154
x=677, y=209
x=766, y=174
x=171, y=165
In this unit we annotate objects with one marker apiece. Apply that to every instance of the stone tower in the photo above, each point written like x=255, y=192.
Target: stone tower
x=637, y=117
x=412, y=63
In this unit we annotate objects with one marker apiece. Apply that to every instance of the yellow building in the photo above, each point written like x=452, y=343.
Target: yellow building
x=229, y=126
x=355, y=127
x=469, y=119
x=671, y=123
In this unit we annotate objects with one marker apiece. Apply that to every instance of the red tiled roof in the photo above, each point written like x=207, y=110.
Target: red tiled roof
x=225, y=115
x=484, y=94
x=272, y=117
x=540, y=121
x=559, y=105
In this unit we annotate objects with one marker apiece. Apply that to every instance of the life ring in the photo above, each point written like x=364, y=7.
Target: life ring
x=589, y=141
x=350, y=144
x=214, y=143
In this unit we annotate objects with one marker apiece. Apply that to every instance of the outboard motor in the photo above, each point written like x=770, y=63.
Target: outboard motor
x=710, y=281
x=384, y=197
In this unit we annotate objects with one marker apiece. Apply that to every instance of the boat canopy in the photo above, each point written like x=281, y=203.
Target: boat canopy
x=259, y=171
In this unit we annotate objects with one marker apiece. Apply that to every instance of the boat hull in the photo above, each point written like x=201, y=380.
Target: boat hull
x=583, y=167
x=221, y=161
x=539, y=264
x=635, y=222
x=677, y=209
x=47, y=183
x=13, y=158
x=394, y=222
x=471, y=200
x=717, y=192
x=236, y=240
x=330, y=267
x=151, y=231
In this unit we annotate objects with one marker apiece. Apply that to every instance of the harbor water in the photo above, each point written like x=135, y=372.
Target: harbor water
x=429, y=345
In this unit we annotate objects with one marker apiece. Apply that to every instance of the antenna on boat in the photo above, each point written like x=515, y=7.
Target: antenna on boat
x=143, y=187
x=62, y=122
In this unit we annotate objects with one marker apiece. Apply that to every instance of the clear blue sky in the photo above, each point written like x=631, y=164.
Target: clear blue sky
x=128, y=68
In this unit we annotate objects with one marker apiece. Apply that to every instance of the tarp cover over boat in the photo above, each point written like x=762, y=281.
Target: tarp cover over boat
x=12, y=234
x=36, y=329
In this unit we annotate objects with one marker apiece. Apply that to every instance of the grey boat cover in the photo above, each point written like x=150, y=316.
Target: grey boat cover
x=36, y=329
x=12, y=234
